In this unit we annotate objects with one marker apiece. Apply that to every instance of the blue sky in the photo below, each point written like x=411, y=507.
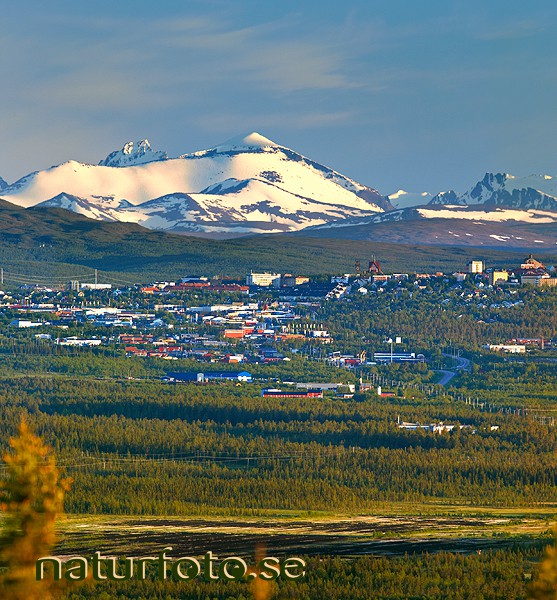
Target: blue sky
x=400, y=94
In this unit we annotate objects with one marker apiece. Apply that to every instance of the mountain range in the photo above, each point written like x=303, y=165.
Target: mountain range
x=251, y=184
x=246, y=185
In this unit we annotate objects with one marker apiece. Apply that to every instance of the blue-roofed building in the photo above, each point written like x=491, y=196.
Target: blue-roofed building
x=195, y=377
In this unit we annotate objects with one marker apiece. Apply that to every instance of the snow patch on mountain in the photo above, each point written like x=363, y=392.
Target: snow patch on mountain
x=252, y=141
x=403, y=199
x=497, y=215
x=105, y=208
x=139, y=153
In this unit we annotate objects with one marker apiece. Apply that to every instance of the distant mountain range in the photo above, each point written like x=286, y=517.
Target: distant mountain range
x=251, y=184
x=504, y=190
x=451, y=226
x=500, y=210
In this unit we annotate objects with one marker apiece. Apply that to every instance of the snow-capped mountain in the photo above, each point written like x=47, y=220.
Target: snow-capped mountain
x=502, y=189
x=462, y=212
x=246, y=185
x=403, y=199
x=133, y=154
x=3, y=184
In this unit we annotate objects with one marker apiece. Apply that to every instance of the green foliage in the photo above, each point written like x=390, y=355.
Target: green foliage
x=149, y=448
x=443, y=576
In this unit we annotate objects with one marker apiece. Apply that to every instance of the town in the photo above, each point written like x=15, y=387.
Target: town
x=227, y=327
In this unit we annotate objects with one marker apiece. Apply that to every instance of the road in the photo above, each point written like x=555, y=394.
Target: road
x=446, y=377
x=463, y=364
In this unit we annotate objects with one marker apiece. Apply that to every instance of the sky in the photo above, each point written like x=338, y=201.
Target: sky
x=397, y=94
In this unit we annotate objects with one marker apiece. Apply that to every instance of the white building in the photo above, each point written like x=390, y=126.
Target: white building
x=73, y=341
x=24, y=324
x=511, y=348
x=476, y=266
x=263, y=279
x=96, y=286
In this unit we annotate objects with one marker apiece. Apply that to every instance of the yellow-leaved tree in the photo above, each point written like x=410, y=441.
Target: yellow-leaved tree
x=544, y=586
x=31, y=497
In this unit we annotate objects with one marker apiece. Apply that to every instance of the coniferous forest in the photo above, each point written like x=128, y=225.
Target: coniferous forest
x=468, y=506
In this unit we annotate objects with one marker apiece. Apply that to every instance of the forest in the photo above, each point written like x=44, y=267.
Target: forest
x=137, y=446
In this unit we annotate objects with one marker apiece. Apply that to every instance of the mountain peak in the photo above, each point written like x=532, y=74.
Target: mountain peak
x=133, y=154
x=3, y=184
x=252, y=140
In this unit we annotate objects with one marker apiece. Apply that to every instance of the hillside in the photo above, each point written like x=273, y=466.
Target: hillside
x=469, y=226
x=47, y=240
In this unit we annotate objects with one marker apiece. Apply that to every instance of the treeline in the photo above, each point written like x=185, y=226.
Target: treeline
x=149, y=448
x=521, y=381
x=491, y=575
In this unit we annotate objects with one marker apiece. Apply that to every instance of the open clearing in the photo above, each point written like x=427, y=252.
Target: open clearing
x=465, y=531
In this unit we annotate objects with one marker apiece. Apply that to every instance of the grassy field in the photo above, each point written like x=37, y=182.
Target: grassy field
x=392, y=530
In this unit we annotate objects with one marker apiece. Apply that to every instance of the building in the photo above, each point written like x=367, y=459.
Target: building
x=476, y=266
x=235, y=333
x=274, y=393
x=433, y=427
x=539, y=342
x=497, y=277
x=531, y=263
x=397, y=357
x=25, y=324
x=374, y=267
x=193, y=377
x=533, y=272
x=263, y=279
x=74, y=341
x=333, y=387
x=96, y=286
x=510, y=348
x=533, y=277
x=289, y=280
